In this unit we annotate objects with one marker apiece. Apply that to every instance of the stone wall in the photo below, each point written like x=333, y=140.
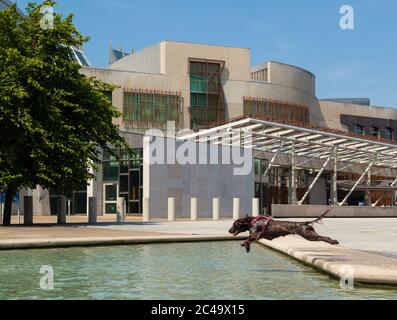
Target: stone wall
x=202, y=181
x=313, y=211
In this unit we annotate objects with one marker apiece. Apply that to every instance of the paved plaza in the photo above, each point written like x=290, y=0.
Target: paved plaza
x=368, y=234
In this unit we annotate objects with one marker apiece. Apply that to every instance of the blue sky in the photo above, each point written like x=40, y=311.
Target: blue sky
x=306, y=33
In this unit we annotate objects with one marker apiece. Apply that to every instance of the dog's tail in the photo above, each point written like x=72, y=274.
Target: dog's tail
x=319, y=218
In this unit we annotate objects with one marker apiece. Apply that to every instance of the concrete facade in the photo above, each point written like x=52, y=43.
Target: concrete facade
x=204, y=178
x=165, y=66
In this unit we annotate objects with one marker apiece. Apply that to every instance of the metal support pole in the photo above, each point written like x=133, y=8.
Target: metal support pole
x=334, y=186
x=315, y=180
x=269, y=166
x=358, y=182
x=293, y=198
x=368, y=193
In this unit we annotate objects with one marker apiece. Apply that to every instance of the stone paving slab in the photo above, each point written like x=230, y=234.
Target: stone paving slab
x=367, y=268
x=51, y=236
x=375, y=235
x=103, y=241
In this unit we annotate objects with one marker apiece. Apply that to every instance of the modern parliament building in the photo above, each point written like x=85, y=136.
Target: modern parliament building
x=306, y=151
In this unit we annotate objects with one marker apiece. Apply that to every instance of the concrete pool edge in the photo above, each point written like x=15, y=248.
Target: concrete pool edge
x=108, y=241
x=368, y=269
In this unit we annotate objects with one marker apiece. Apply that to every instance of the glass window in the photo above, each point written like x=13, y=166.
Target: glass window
x=198, y=99
x=277, y=110
x=374, y=131
x=123, y=167
x=110, y=171
x=110, y=208
x=205, y=86
x=213, y=67
x=358, y=129
x=143, y=110
x=109, y=95
x=135, y=185
x=389, y=133
x=124, y=184
x=111, y=192
x=80, y=202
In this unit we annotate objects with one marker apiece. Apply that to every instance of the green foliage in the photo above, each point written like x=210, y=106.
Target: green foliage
x=53, y=119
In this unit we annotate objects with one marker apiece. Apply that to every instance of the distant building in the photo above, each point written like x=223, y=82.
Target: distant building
x=362, y=101
x=116, y=54
x=4, y=4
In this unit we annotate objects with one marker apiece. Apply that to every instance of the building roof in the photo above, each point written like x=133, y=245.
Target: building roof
x=360, y=101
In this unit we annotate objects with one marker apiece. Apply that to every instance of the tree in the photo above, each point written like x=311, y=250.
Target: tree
x=53, y=120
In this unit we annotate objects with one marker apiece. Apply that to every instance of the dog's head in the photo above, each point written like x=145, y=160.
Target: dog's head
x=241, y=225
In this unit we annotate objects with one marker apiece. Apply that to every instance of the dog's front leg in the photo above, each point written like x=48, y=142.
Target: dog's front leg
x=247, y=243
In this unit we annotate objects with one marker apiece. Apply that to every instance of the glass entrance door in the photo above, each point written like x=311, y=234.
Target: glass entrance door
x=110, y=192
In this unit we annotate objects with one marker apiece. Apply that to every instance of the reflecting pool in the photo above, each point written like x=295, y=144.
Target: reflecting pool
x=209, y=270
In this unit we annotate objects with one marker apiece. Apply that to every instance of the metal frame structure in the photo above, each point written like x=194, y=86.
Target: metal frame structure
x=313, y=144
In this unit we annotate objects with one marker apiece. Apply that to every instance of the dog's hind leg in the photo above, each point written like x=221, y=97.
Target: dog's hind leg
x=310, y=234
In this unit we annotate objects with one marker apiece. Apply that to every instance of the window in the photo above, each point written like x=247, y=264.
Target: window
x=389, y=133
x=205, y=93
x=109, y=95
x=110, y=171
x=374, y=131
x=276, y=110
x=143, y=110
x=359, y=129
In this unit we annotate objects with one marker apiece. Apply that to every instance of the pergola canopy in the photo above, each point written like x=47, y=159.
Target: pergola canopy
x=269, y=136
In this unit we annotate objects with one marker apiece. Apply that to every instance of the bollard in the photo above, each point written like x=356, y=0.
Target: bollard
x=215, y=209
x=236, y=208
x=193, y=209
x=62, y=210
x=28, y=210
x=145, y=210
x=255, y=207
x=171, y=209
x=92, y=210
x=120, y=210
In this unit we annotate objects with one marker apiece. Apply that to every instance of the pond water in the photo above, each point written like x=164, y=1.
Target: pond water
x=219, y=270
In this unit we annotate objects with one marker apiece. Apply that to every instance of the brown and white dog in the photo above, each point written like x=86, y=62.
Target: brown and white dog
x=265, y=227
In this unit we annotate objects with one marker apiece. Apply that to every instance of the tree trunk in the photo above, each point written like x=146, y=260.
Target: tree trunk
x=8, y=206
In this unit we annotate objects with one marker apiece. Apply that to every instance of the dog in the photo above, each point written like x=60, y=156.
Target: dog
x=265, y=227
